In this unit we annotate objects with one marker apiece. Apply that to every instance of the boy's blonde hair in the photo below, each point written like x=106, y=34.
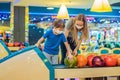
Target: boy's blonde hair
x=59, y=23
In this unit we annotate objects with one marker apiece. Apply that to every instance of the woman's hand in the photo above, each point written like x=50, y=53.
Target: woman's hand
x=69, y=55
x=70, y=51
x=75, y=52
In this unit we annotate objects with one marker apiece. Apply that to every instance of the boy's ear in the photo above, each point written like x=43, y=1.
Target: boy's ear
x=54, y=28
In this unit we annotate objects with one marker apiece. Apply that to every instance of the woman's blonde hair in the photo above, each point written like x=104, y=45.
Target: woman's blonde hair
x=84, y=35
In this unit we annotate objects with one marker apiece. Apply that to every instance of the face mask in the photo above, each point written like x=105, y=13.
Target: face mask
x=58, y=31
x=78, y=27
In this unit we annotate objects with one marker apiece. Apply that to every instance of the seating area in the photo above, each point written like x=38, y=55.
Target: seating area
x=4, y=51
x=102, y=50
x=108, y=50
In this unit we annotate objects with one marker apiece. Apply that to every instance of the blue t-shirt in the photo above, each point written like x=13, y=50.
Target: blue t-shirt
x=52, y=42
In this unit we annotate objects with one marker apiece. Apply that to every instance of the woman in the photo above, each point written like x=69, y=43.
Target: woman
x=76, y=31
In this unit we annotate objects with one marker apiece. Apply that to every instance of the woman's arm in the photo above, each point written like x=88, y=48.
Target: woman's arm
x=68, y=26
x=69, y=51
x=78, y=46
x=67, y=33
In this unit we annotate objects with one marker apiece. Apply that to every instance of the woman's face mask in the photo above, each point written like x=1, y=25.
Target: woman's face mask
x=79, y=24
x=78, y=27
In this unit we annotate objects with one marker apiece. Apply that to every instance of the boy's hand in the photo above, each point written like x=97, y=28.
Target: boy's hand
x=36, y=45
x=39, y=46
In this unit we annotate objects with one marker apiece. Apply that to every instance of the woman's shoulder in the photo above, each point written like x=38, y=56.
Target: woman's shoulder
x=69, y=23
x=70, y=20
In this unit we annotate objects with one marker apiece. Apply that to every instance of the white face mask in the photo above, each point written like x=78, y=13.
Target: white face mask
x=58, y=31
x=78, y=27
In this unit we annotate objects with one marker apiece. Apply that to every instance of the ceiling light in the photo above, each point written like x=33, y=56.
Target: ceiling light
x=63, y=12
x=118, y=11
x=101, y=6
x=50, y=8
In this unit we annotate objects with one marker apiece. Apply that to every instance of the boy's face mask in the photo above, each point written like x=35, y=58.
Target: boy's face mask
x=57, y=31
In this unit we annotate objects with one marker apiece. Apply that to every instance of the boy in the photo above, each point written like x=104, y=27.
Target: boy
x=53, y=39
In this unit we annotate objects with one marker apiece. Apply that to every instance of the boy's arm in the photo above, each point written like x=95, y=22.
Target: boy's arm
x=42, y=38
x=40, y=41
